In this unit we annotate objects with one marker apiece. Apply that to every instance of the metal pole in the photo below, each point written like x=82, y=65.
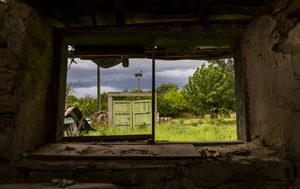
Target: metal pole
x=153, y=91
x=138, y=87
x=98, y=88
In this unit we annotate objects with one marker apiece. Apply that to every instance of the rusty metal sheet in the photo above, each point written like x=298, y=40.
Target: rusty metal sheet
x=69, y=110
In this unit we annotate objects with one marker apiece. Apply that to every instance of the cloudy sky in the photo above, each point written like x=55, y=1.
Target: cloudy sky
x=83, y=75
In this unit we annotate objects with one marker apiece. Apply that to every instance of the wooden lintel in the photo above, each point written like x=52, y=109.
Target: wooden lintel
x=108, y=138
x=197, y=29
x=120, y=12
x=108, y=50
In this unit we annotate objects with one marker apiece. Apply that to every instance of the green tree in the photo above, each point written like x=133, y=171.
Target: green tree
x=208, y=91
x=171, y=103
x=104, y=101
x=227, y=68
x=164, y=88
x=71, y=99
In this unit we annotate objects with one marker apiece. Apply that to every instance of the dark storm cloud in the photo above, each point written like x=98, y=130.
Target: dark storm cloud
x=83, y=75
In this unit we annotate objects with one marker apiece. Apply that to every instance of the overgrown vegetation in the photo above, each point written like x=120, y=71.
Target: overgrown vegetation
x=178, y=130
x=209, y=92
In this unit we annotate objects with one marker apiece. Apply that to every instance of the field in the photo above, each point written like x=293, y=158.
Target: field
x=179, y=130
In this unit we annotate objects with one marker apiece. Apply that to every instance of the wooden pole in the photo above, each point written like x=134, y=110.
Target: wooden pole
x=153, y=91
x=98, y=88
x=138, y=87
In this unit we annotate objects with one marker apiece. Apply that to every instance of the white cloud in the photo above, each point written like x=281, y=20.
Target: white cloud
x=92, y=91
x=83, y=75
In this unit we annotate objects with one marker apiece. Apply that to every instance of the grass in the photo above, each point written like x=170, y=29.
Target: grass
x=179, y=130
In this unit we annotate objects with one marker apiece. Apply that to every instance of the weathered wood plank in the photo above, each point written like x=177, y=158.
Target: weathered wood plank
x=140, y=18
x=110, y=110
x=120, y=12
x=205, y=143
x=100, y=164
x=242, y=128
x=190, y=57
x=108, y=50
x=46, y=186
x=244, y=2
x=59, y=77
x=108, y=138
x=125, y=61
x=178, y=29
x=233, y=9
x=74, y=151
x=229, y=16
x=192, y=40
x=205, y=9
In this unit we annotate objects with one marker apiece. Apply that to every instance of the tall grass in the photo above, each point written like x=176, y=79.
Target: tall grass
x=179, y=130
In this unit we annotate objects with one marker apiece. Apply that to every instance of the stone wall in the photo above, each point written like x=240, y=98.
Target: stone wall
x=272, y=75
x=26, y=51
x=270, y=51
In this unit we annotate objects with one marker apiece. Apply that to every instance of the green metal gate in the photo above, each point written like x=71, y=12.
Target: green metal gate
x=141, y=112
x=132, y=113
x=122, y=113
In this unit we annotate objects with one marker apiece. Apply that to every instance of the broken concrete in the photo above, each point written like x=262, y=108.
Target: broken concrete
x=273, y=82
x=260, y=167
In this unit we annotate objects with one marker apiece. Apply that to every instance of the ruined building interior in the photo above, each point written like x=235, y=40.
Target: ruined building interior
x=263, y=37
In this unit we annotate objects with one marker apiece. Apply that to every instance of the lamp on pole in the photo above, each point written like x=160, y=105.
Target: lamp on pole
x=138, y=75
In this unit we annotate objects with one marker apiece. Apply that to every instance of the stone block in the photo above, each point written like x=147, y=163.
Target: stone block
x=8, y=107
x=11, y=63
x=135, y=177
x=6, y=122
x=211, y=174
x=8, y=89
x=280, y=170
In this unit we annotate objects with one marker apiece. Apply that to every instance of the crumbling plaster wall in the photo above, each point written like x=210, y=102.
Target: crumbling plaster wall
x=26, y=61
x=271, y=55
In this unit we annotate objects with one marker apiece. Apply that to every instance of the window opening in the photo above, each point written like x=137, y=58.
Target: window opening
x=171, y=77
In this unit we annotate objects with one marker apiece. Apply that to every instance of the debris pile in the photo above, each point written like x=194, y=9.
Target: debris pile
x=99, y=117
x=214, y=154
x=62, y=182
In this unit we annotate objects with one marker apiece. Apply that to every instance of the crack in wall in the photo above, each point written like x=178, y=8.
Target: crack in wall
x=295, y=74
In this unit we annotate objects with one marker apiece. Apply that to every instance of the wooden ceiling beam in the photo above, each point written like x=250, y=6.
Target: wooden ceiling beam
x=233, y=9
x=108, y=50
x=205, y=9
x=242, y=2
x=120, y=12
x=221, y=30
